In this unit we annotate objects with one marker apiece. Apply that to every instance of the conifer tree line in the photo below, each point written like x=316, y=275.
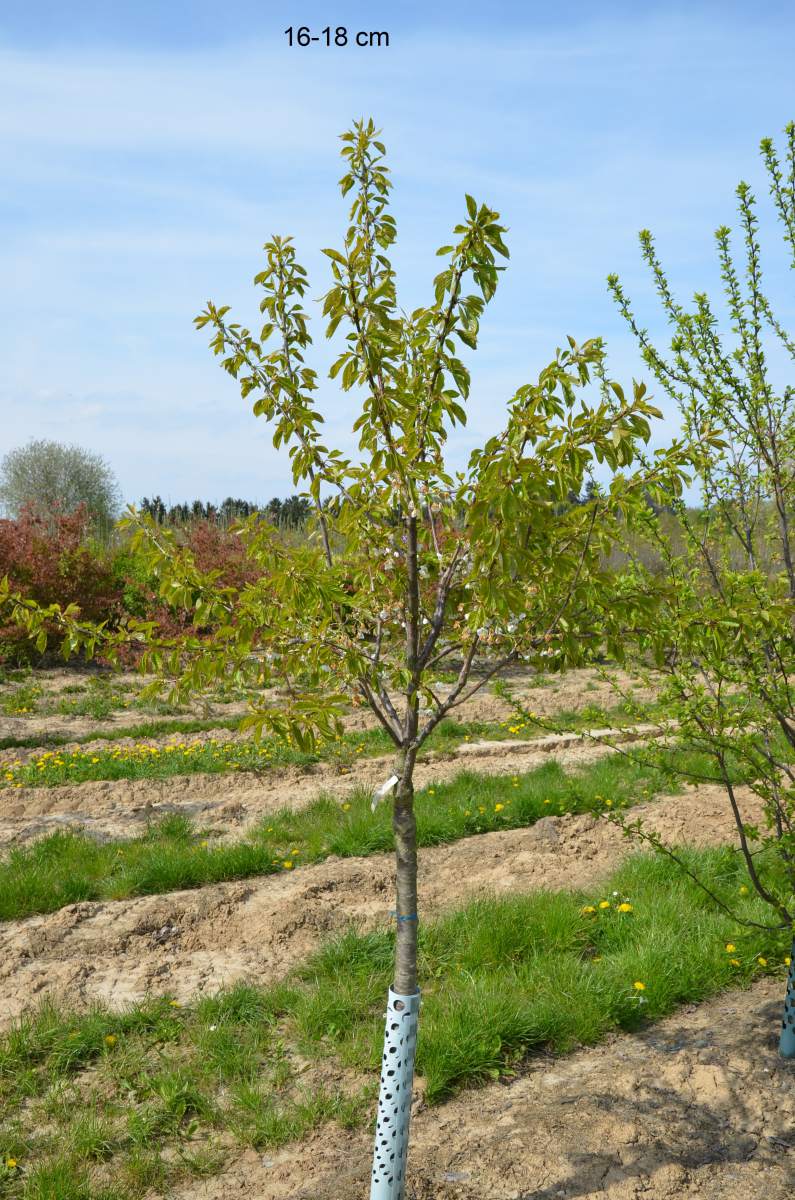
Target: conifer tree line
x=291, y=512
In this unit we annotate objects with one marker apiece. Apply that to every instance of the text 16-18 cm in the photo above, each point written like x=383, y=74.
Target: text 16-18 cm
x=303, y=36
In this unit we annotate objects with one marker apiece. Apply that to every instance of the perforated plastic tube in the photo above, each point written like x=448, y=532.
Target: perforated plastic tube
x=786, y=1045
x=394, y=1100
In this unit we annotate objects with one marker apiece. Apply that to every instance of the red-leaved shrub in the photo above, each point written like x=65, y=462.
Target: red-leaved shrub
x=49, y=561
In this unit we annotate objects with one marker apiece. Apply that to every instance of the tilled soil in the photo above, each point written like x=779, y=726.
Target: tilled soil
x=696, y=1107
x=229, y=804
x=568, y=692
x=190, y=942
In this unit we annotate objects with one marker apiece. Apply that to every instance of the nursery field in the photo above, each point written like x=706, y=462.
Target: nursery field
x=196, y=942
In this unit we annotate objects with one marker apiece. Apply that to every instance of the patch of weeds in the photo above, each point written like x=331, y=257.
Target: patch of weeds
x=23, y=701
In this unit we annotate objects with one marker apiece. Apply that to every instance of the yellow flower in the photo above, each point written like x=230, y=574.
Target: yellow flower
x=604, y=903
x=547, y=801
x=625, y=907
x=287, y=864
x=787, y=961
x=609, y=803
x=174, y=1003
x=11, y=1163
x=110, y=1039
x=589, y=908
x=94, y=760
x=762, y=961
x=499, y=807
x=743, y=890
x=730, y=947
x=467, y=813
x=734, y=962
x=638, y=986
x=431, y=791
x=345, y=807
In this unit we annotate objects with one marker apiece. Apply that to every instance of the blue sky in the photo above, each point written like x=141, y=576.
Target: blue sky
x=150, y=148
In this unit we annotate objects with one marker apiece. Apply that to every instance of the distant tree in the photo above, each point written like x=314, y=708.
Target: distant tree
x=50, y=478
x=274, y=509
x=295, y=511
x=591, y=491
x=154, y=508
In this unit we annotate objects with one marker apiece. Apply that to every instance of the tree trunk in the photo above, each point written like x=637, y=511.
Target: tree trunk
x=404, y=827
x=388, y=1179
x=786, y=1044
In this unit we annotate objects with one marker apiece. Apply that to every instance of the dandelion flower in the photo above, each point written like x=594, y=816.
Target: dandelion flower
x=110, y=1039
x=638, y=986
x=345, y=807
x=762, y=961
x=589, y=908
x=625, y=907
x=287, y=864
x=604, y=903
x=734, y=962
x=499, y=807
x=787, y=961
x=730, y=947
x=11, y=1163
x=743, y=890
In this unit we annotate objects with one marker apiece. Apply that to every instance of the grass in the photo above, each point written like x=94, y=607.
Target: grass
x=68, y=867
x=104, y=1104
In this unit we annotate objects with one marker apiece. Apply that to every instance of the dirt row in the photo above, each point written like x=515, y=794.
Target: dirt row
x=228, y=805
x=572, y=691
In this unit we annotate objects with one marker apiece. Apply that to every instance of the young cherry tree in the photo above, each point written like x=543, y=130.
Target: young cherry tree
x=722, y=634
x=411, y=567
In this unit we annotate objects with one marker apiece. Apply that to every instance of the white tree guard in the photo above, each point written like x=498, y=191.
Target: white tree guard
x=394, y=1100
